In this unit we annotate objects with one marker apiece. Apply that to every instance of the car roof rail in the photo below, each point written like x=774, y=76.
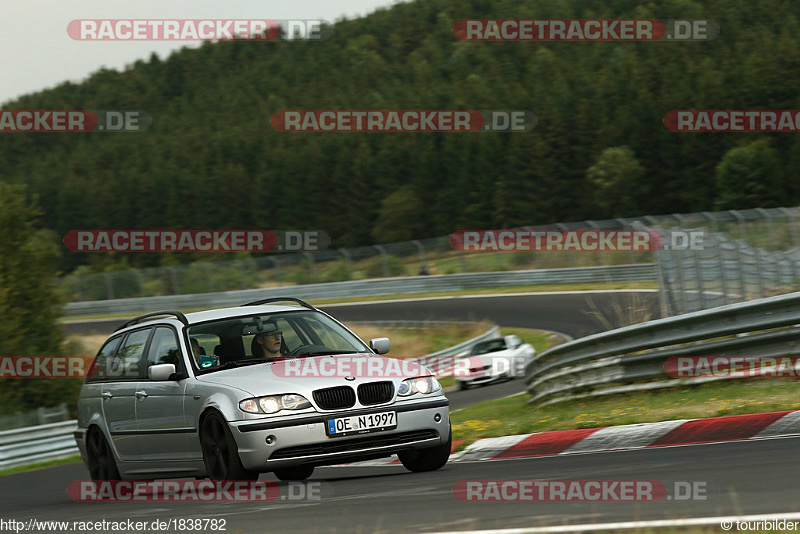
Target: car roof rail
x=280, y=299
x=181, y=317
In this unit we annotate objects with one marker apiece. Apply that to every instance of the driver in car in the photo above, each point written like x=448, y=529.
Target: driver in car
x=267, y=344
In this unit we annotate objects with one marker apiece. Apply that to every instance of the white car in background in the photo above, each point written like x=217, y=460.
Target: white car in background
x=501, y=358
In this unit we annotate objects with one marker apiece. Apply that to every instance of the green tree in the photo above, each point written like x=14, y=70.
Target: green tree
x=749, y=176
x=399, y=217
x=615, y=179
x=29, y=303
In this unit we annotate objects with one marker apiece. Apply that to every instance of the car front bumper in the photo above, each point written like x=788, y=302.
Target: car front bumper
x=302, y=439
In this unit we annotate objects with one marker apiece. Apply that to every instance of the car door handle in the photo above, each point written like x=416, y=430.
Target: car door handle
x=106, y=395
x=140, y=394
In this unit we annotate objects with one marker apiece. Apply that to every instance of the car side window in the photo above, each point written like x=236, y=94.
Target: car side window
x=126, y=362
x=99, y=370
x=164, y=348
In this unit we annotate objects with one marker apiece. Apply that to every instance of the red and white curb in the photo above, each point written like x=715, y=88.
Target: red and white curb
x=625, y=437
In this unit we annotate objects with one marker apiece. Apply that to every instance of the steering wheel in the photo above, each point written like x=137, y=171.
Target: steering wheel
x=305, y=349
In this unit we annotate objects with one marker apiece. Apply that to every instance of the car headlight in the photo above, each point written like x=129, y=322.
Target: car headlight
x=274, y=403
x=423, y=384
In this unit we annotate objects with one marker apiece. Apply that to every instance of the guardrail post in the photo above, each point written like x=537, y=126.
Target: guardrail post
x=209, y=276
x=764, y=213
x=77, y=280
x=109, y=286
x=421, y=249
x=311, y=269
x=563, y=227
x=682, y=280
x=242, y=272
x=740, y=264
x=708, y=215
x=533, y=246
x=718, y=243
x=740, y=218
x=594, y=226
x=624, y=224
x=347, y=262
x=385, y=263
x=276, y=265
x=176, y=290
x=792, y=225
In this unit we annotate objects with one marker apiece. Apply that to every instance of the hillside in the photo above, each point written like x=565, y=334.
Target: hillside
x=212, y=160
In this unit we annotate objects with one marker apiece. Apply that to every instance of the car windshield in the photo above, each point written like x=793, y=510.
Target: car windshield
x=269, y=337
x=485, y=347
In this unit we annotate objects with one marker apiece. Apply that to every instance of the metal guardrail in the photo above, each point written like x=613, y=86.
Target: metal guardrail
x=371, y=288
x=632, y=358
x=39, y=416
x=34, y=444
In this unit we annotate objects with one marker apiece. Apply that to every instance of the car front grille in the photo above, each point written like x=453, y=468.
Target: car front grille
x=335, y=398
x=349, y=445
x=375, y=393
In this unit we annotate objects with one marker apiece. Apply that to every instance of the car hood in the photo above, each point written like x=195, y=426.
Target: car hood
x=304, y=375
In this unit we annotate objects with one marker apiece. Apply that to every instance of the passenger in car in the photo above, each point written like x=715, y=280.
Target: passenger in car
x=203, y=361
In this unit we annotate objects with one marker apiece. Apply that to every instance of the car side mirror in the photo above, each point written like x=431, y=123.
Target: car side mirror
x=379, y=345
x=161, y=372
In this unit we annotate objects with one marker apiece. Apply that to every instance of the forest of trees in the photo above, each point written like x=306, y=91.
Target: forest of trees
x=600, y=149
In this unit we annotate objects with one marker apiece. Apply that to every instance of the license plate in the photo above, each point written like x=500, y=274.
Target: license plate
x=361, y=424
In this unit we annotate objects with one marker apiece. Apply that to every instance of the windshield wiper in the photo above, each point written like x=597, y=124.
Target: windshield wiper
x=243, y=361
x=330, y=352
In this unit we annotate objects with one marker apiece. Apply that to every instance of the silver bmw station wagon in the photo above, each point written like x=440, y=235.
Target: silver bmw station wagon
x=265, y=387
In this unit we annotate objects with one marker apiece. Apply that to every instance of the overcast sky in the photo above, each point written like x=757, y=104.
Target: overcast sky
x=36, y=53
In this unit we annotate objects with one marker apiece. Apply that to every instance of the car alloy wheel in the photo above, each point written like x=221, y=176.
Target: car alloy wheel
x=102, y=465
x=220, y=454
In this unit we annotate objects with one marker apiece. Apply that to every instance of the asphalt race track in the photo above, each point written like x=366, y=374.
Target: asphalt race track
x=754, y=477
x=568, y=313
x=740, y=478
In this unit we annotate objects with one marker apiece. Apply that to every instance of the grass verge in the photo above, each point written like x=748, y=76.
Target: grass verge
x=33, y=467
x=513, y=415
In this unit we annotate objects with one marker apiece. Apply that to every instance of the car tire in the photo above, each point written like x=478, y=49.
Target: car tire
x=100, y=457
x=220, y=453
x=300, y=472
x=430, y=459
x=463, y=386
